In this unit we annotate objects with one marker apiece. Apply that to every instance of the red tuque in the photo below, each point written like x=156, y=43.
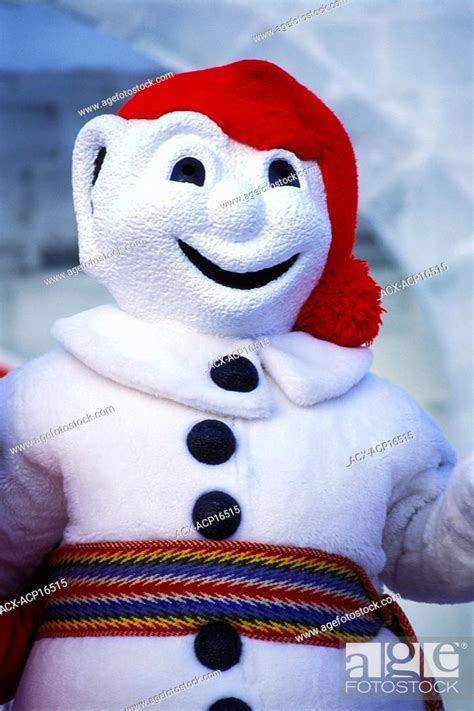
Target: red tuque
x=258, y=104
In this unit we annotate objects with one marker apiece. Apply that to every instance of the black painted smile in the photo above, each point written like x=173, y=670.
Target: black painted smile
x=235, y=280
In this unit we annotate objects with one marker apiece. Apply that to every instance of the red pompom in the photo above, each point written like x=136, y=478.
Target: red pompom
x=344, y=308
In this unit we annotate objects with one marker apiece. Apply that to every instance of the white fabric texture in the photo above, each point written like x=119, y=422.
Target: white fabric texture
x=129, y=475
x=134, y=198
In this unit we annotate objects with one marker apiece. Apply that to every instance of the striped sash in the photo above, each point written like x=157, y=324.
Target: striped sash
x=173, y=587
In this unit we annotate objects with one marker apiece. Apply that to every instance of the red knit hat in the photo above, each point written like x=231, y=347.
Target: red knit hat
x=258, y=104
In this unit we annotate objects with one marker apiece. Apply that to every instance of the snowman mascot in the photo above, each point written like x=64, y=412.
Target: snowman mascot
x=222, y=488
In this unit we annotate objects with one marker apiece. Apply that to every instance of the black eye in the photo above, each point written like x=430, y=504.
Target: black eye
x=189, y=170
x=98, y=163
x=281, y=170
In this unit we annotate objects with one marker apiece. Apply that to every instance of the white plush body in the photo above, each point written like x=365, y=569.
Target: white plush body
x=129, y=475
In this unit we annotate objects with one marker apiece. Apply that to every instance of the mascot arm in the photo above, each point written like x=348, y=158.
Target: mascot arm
x=33, y=511
x=429, y=532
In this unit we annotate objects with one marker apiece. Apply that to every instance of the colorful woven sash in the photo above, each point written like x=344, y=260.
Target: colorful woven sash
x=166, y=587
x=163, y=588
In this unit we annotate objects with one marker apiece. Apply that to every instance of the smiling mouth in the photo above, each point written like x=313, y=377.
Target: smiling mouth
x=235, y=280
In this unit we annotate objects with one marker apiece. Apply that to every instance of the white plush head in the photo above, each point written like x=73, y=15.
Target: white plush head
x=203, y=264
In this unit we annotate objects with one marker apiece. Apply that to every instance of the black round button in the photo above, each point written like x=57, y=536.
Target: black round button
x=217, y=645
x=211, y=442
x=206, y=512
x=230, y=704
x=238, y=374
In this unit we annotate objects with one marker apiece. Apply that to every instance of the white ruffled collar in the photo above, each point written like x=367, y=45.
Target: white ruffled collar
x=170, y=361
